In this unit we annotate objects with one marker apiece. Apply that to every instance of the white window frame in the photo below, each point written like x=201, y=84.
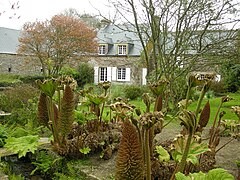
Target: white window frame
x=122, y=49
x=121, y=74
x=102, y=74
x=102, y=49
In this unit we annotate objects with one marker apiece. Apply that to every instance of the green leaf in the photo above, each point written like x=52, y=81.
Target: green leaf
x=96, y=99
x=85, y=150
x=219, y=174
x=193, y=159
x=48, y=87
x=22, y=145
x=44, y=162
x=163, y=154
x=194, y=150
x=198, y=176
x=181, y=176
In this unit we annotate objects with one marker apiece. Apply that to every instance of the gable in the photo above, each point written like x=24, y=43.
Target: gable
x=115, y=35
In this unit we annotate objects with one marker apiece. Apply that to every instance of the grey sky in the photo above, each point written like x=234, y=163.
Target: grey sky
x=32, y=10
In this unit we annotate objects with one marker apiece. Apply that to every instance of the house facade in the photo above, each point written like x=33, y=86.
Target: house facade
x=117, y=60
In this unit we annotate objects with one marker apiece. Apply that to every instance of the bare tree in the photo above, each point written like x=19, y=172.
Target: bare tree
x=91, y=20
x=182, y=35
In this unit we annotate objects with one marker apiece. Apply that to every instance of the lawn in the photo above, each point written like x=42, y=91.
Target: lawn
x=214, y=104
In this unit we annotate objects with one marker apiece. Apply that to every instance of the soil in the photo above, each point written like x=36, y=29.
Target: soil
x=225, y=158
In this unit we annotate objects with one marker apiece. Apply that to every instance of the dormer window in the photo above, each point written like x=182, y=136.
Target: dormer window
x=102, y=49
x=122, y=49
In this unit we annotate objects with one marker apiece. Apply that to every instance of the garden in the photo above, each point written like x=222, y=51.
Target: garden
x=62, y=128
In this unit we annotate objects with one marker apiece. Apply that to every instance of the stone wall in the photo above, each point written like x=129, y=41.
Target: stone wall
x=134, y=63
x=28, y=65
x=16, y=64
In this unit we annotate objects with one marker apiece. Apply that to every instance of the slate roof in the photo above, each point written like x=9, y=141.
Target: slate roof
x=9, y=40
x=113, y=35
x=110, y=34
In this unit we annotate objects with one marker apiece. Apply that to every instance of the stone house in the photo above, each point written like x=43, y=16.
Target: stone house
x=117, y=61
x=10, y=61
x=118, y=57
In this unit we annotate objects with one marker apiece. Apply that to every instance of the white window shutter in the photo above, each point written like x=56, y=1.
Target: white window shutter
x=128, y=74
x=114, y=73
x=109, y=74
x=144, y=75
x=95, y=75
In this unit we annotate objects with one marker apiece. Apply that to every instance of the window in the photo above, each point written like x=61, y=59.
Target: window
x=122, y=49
x=121, y=73
x=102, y=49
x=103, y=74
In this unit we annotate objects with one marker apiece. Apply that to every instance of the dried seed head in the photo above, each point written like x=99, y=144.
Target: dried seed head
x=105, y=85
x=158, y=87
x=148, y=119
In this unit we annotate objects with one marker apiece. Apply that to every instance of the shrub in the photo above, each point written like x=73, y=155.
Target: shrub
x=21, y=102
x=133, y=91
x=16, y=97
x=31, y=78
x=231, y=76
x=3, y=135
x=86, y=74
x=9, y=80
x=117, y=91
x=209, y=94
x=218, y=87
x=67, y=71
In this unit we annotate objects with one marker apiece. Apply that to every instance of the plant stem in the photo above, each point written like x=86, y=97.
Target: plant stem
x=224, y=145
x=214, y=123
x=188, y=96
x=105, y=93
x=54, y=126
x=185, y=153
x=200, y=100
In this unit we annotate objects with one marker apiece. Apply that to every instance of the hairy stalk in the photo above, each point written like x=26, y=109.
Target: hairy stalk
x=214, y=123
x=185, y=153
x=51, y=119
x=203, y=92
x=105, y=93
x=188, y=96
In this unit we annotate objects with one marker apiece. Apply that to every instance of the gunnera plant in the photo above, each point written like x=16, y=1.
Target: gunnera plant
x=67, y=111
x=129, y=162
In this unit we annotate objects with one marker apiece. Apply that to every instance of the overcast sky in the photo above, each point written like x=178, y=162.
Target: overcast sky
x=32, y=10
